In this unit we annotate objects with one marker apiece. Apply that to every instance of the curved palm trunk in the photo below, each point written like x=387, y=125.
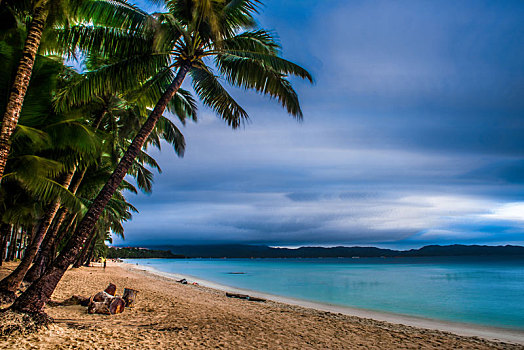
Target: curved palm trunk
x=40, y=262
x=90, y=254
x=35, y=297
x=85, y=250
x=47, y=251
x=25, y=236
x=5, y=232
x=21, y=82
x=12, y=242
x=87, y=253
x=10, y=284
x=59, y=238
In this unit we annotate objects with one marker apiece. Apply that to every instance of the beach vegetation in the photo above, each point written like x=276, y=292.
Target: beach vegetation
x=52, y=149
x=139, y=253
x=70, y=199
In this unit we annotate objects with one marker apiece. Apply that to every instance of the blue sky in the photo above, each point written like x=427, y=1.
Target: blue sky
x=412, y=135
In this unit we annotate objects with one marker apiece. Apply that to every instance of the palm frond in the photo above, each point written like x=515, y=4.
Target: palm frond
x=239, y=13
x=112, y=13
x=143, y=177
x=126, y=185
x=213, y=95
x=72, y=135
x=183, y=105
x=257, y=41
x=32, y=165
x=124, y=75
x=145, y=158
x=38, y=138
x=171, y=134
x=168, y=31
x=99, y=40
x=47, y=190
x=270, y=61
x=253, y=74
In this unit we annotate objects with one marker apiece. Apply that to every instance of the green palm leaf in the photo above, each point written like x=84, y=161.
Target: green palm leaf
x=253, y=74
x=213, y=95
x=99, y=40
x=112, y=13
x=172, y=135
x=46, y=190
x=125, y=75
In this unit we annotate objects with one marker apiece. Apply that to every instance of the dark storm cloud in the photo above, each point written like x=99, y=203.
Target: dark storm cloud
x=510, y=171
x=412, y=135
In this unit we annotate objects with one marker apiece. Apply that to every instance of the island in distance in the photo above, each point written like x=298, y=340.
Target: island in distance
x=262, y=251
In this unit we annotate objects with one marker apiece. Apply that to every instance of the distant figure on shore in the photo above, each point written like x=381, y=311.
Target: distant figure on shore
x=104, y=261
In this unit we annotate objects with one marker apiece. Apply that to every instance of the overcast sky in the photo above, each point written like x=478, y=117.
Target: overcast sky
x=412, y=135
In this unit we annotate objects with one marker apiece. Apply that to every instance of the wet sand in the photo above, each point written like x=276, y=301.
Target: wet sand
x=169, y=315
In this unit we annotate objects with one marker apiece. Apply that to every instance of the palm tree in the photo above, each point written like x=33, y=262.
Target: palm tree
x=44, y=13
x=190, y=34
x=44, y=137
x=97, y=14
x=119, y=120
x=45, y=145
x=117, y=211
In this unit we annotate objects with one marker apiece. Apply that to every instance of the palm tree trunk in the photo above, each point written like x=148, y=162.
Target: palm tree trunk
x=3, y=242
x=88, y=251
x=21, y=81
x=24, y=237
x=85, y=250
x=18, y=242
x=47, y=251
x=5, y=232
x=42, y=258
x=90, y=254
x=59, y=239
x=35, y=297
x=12, y=243
x=48, y=234
x=11, y=283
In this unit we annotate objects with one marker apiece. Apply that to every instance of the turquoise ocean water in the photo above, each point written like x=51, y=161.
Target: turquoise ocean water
x=486, y=291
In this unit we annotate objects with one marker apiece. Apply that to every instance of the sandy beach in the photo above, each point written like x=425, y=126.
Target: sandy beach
x=169, y=315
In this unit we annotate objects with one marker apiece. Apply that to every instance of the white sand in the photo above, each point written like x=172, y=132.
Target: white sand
x=169, y=315
x=464, y=329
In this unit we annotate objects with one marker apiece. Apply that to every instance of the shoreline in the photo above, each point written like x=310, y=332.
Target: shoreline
x=462, y=329
x=170, y=315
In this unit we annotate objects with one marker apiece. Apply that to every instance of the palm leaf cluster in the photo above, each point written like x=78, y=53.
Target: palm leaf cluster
x=74, y=145
x=85, y=140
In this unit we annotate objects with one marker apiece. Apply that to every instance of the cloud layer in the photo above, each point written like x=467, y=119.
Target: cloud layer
x=412, y=135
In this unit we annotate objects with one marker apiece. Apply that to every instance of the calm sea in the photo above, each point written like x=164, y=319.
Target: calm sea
x=487, y=291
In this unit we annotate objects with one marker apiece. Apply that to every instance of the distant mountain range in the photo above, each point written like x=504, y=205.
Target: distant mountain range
x=139, y=253
x=261, y=251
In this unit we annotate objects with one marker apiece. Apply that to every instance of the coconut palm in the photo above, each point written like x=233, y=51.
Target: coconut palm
x=45, y=145
x=117, y=212
x=119, y=120
x=56, y=11
x=48, y=13
x=191, y=34
x=44, y=137
x=93, y=180
x=116, y=125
